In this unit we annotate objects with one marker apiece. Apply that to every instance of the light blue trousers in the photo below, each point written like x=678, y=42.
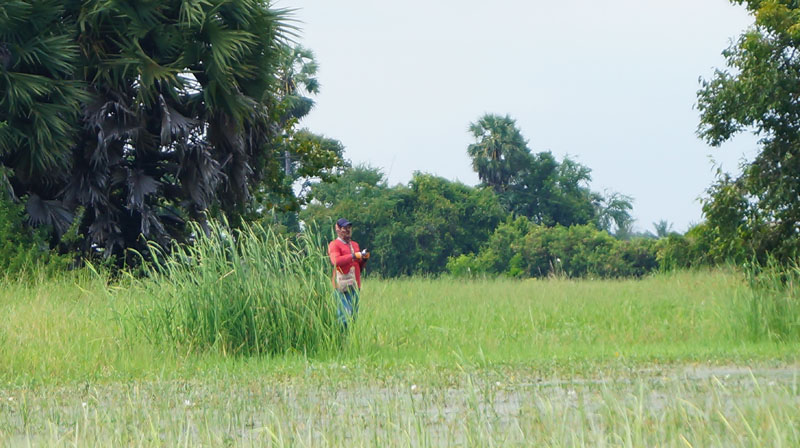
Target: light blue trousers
x=348, y=305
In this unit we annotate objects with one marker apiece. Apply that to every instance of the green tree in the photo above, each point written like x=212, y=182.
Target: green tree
x=504, y=246
x=307, y=158
x=499, y=152
x=381, y=216
x=297, y=81
x=534, y=196
x=571, y=203
x=758, y=91
x=299, y=156
x=538, y=186
x=449, y=219
x=612, y=212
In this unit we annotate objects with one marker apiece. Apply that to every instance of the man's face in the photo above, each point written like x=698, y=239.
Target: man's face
x=344, y=232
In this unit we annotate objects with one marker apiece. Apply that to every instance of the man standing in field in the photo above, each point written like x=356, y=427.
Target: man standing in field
x=348, y=261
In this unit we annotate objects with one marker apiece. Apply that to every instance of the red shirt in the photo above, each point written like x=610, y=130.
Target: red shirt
x=342, y=258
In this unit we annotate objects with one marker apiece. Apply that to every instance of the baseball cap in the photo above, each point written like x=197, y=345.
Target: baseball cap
x=343, y=222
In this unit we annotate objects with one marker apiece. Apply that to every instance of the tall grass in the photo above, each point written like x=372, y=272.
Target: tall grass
x=667, y=317
x=773, y=301
x=245, y=291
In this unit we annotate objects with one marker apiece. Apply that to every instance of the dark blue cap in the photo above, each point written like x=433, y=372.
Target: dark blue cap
x=343, y=222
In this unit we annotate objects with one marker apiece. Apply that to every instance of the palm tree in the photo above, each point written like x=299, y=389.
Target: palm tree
x=40, y=102
x=663, y=228
x=297, y=81
x=612, y=210
x=500, y=152
x=140, y=114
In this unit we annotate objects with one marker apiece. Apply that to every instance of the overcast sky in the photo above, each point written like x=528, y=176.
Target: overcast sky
x=610, y=83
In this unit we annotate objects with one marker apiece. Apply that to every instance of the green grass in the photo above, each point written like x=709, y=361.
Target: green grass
x=429, y=362
x=73, y=328
x=670, y=317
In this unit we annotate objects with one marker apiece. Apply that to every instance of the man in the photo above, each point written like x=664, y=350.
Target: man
x=348, y=261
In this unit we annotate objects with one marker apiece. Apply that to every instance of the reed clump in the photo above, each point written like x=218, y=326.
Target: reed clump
x=773, y=301
x=247, y=291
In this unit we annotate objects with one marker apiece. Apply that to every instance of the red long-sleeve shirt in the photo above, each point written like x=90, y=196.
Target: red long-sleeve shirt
x=342, y=258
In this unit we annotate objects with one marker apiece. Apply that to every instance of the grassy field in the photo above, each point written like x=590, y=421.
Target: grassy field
x=669, y=360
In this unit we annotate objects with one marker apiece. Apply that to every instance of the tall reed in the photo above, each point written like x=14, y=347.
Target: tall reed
x=773, y=301
x=244, y=291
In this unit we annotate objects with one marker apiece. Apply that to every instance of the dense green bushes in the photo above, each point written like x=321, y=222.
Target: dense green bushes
x=22, y=247
x=519, y=248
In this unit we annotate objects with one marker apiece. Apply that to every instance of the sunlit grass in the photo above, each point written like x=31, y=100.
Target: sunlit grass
x=678, y=316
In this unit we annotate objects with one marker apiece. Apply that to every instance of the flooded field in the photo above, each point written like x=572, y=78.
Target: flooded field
x=691, y=405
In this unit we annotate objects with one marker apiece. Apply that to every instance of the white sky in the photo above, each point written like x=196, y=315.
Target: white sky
x=610, y=83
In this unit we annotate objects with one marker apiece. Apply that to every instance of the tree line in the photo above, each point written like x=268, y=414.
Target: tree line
x=422, y=227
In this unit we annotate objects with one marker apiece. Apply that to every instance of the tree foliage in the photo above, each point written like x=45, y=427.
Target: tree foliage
x=432, y=225
x=538, y=186
x=409, y=229
x=40, y=99
x=758, y=213
x=146, y=114
x=499, y=153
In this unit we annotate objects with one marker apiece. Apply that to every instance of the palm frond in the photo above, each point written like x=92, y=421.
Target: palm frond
x=140, y=185
x=48, y=212
x=193, y=13
x=173, y=123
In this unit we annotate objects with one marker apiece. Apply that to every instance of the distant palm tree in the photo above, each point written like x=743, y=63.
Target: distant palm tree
x=663, y=228
x=612, y=212
x=500, y=152
x=297, y=81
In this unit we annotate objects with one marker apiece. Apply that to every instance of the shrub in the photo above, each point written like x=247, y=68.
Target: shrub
x=519, y=248
x=501, y=254
x=694, y=249
x=464, y=266
x=574, y=251
x=633, y=258
x=21, y=246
